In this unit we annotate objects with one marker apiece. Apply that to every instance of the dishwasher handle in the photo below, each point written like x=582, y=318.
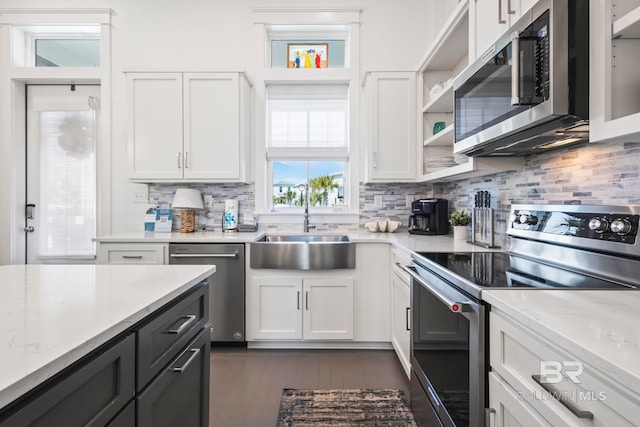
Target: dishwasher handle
x=227, y=255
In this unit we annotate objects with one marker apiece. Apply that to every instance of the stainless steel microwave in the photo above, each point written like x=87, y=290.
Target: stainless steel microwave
x=528, y=92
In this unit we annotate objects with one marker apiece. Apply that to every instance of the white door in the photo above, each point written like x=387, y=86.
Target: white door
x=275, y=309
x=328, y=309
x=393, y=129
x=60, y=216
x=154, y=144
x=400, y=334
x=212, y=126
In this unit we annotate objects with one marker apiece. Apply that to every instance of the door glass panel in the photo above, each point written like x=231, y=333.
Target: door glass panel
x=67, y=207
x=485, y=99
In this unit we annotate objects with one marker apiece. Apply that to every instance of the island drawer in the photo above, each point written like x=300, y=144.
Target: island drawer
x=564, y=389
x=185, y=380
x=132, y=253
x=90, y=395
x=161, y=338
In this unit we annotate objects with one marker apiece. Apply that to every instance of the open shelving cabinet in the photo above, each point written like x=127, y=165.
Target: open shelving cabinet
x=447, y=57
x=614, y=78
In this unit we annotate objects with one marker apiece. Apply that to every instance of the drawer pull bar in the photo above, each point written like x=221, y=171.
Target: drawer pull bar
x=190, y=319
x=181, y=369
x=558, y=396
x=132, y=256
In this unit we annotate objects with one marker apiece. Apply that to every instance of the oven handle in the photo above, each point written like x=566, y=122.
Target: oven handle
x=454, y=306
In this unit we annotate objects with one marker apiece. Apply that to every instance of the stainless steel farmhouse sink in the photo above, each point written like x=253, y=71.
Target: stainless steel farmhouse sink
x=303, y=252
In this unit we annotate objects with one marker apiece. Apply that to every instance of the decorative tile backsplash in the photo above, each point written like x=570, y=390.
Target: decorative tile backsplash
x=209, y=218
x=391, y=201
x=590, y=174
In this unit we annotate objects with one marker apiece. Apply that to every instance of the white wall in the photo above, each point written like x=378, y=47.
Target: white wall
x=219, y=33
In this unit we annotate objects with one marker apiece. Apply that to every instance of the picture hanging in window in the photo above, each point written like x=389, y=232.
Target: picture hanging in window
x=308, y=55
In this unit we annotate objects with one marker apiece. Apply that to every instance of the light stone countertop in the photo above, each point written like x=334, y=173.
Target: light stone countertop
x=600, y=328
x=401, y=239
x=52, y=315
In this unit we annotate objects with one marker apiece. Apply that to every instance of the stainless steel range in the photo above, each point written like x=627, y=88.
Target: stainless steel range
x=551, y=247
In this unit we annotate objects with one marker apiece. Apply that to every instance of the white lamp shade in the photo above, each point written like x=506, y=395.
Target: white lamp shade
x=187, y=198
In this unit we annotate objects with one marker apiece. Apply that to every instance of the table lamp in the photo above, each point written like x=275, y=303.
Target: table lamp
x=187, y=199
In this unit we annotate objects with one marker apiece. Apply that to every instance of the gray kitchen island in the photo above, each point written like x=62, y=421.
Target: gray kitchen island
x=104, y=345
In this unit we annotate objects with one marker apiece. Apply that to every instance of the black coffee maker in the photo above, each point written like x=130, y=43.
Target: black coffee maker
x=429, y=217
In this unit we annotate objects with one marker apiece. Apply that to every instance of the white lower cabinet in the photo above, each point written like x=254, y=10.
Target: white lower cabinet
x=508, y=408
x=535, y=382
x=294, y=309
x=400, y=321
x=342, y=308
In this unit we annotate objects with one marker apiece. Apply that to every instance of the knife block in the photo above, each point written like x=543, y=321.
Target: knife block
x=482, y=228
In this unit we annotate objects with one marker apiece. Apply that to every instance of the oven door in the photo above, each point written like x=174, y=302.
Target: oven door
x=447, y=352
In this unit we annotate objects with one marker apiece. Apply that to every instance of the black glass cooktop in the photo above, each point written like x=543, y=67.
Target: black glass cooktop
x=500, y=270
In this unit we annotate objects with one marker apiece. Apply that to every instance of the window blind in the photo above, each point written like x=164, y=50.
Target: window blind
x=307, y=117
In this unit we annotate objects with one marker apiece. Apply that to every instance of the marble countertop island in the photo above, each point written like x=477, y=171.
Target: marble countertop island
x=601, y=328
x=52, y=315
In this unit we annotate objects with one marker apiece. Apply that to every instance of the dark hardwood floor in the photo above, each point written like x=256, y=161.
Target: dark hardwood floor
x=246, y=385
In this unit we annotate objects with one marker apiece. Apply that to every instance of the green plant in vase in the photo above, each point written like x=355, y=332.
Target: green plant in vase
x=459, y=220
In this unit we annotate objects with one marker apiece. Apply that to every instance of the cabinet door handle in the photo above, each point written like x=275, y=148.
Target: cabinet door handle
x=406, y=317
x=190, y=319
x=186, y=159
x=509, y=10
x=375, y=160
x=298, y=300
x=306, y=300
x=179, y=160
x=194, y=354
x=132, y=256
x=500, y=20
x=487, y=416
x=559, y=397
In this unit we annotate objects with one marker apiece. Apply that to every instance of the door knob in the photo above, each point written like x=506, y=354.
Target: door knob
x=29, y=229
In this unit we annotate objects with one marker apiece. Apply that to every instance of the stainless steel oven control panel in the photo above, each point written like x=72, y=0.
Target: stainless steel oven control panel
x=609, y=228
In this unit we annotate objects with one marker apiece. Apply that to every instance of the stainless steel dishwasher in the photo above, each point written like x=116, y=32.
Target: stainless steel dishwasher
x=226, y=285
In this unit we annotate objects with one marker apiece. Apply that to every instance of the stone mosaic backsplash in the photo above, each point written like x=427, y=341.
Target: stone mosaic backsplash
x=598, y=174
x=210, y=218
x=591, y=174
x=392, y=201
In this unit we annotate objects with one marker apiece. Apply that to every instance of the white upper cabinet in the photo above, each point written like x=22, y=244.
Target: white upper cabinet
x=391, y=155
x=155, y=127
x=189, y=127
x=614, y=43
x=492, y=18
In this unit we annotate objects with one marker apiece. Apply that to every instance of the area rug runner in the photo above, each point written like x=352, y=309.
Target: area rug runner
x=361, y=407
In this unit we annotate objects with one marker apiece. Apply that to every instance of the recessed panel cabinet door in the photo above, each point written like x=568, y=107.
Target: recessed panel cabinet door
x=274, y=309
x=393, y=144
x=328, y=309
x=155, y=125
x=212, y=126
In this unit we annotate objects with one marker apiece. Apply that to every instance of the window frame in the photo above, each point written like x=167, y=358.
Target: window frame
x=308, y=154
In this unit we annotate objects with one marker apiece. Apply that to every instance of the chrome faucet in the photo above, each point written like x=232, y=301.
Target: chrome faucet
x=306, y=210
